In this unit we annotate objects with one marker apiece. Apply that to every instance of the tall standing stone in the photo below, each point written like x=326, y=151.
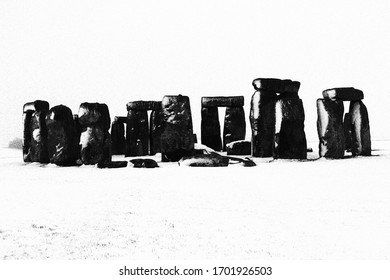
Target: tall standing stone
x=210, y=128
x=234, y=125
x=347, y=124
x=330, y=128
x=137, y=133
x=360, y=136
x=118, y=141
x=156, y=127
x=177, y=139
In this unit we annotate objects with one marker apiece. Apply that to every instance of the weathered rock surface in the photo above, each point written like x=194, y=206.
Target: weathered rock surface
x=277, y=85
x=37, y=105
x=137, y=133
x=112, y=164
x=223, y=101
x=234, y=126
x=118, y=141
x=94, y=114
x=290, y=138
x=345, y=94
x=156, y=128
x=211, y=160
x=210, y=128
x=330, y=128
x=241, y=147
x=360, y=136
x=143, y=105
x=143, y=163
x=347, y=124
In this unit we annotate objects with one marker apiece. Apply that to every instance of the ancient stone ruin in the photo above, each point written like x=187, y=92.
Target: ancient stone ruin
x=338, y=132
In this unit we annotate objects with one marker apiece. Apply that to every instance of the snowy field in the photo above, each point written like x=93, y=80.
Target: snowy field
x=316, y=209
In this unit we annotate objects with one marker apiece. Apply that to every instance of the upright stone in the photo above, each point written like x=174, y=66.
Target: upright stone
x=330, y=128
x=137, y=133
x=35, y=132
x=156, y=127
x=290, y=138
x=210, y=128
x=118, y=141
x=78, y=134
x=234, y=126
x=360, y=136
x=347, y=124
x=62, y=136
x=95, y=140
x=177, y=138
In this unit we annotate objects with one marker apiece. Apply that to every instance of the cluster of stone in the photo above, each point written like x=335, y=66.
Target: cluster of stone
x=234, y=123
x=277, y=120
x=338, y=132
x=141, y=138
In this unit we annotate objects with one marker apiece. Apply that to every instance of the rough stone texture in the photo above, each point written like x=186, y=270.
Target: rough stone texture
x=95, y=140
x=213, y=160
x=78, y=134
x=345, y=94
x=137, y=133
x=277, y=85
x=143, y=105
x=156, y=127
x=62, y=141
x=330, y=128
x=210, y=128
x=118, y=141
x=262, y=119
x=223, y=101
x=347, y=124
x=360, y=136
x=290, y=138
x=234, y=126
x=35, y=132
x=143, y=163
x=112, y=164
x=241, y=147
x=120, y=119
x=177, y=138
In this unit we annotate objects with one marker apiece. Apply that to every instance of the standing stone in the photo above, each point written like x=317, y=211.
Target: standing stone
x=118, y=141
x=78, y=134
x=177, y=138
x=137, y=133
x=35, y=132
x=262, y=119
x=234, y=126
x=361, y=138
x=95, y=140
x=330, y=128
x=210, y=128
x=156, y=127
x=62, y=136
x=290, y=138
x=347, y=124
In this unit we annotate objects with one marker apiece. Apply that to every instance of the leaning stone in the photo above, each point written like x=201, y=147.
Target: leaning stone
x=62, y=138
x=112, y=164
x=223, y=101
x=210, y=128
x=262, y=119
x=234, y=126
x=143, y=163
x=290, y=138
x=137, y=133
x=94, y=114
x=118, y=141
x=204, y=161
x=345, y=94
x=143, y=105
x=177, y=136
x=360, y=138
x=241, y=147
x=330, y=128
x=347, y=124
x=156, y=127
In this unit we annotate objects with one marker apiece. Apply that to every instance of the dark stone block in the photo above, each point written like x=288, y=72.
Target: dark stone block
x=94, y=114
x=241, y=147
x=78, y=134
x=213, y=160
x=37, y=105
x=118, y=141
x=290, y=138
x=112, y=164
x=137, y=133
x=345, y=94
x=361, y=138
x=223, y=101
x=234, y=126
x=347, y=131
x=210, y=128
x=95, y=145
x=277, y=85
x=156, y=128
x=62, y=136
x=143, y=105
x=144, y=163
x=177, y=137
x=120, y=119
x=262, y=118
x=330, y=128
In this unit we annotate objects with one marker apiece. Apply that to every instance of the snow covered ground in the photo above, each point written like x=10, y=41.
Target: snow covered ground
x=316, y=209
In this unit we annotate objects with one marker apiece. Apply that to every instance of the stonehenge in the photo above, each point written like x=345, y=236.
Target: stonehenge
x=118, y=140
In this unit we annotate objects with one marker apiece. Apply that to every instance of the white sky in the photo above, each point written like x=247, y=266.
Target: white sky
x=74, y=51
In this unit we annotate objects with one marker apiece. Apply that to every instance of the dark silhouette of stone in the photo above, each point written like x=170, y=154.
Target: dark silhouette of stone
x=347, y=124
x=330, y=128
x=143, y=105
x=208, y=160
x=137, y=133
x=62, y=141
x=223, y=101
x=345, y=94
x=210, y=128
x=144, y=163
x=288, y=87
x=290, y=138
x=78, y=134
x=94, y=114
x=112, y=164
x=177, y=138
x=35, y=132
x=360, y=136
x=118, y=141
x=262, y=119
x=241, y=147
x=156, y=127
x=234, y=126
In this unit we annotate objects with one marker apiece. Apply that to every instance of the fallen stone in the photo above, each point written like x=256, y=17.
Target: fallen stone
x=347, y=124
x=156, y=128
x=344, y=94
x=143, y=163
x=94, y=114
x=290, y=138
x=241, y=147
x=234, y=126
x=143, y=105
x=360, y=136
x=210, y=128
x=177, y=136
x=330, y=128
x=137, y=133
x=112, y=164
x=118, y=141
x=204, y=161
x=223, y=101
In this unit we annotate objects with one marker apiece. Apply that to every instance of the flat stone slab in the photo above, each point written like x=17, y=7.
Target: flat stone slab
x=143, y=105
x=239, y=148
x=94, y=114
x=37, y=105
x=360, y=129
x=118, y=119
x=112, y=164
x=276, y=85
x=343, y=93
x=204, y=161
x=223, y=101
x=143, y=163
